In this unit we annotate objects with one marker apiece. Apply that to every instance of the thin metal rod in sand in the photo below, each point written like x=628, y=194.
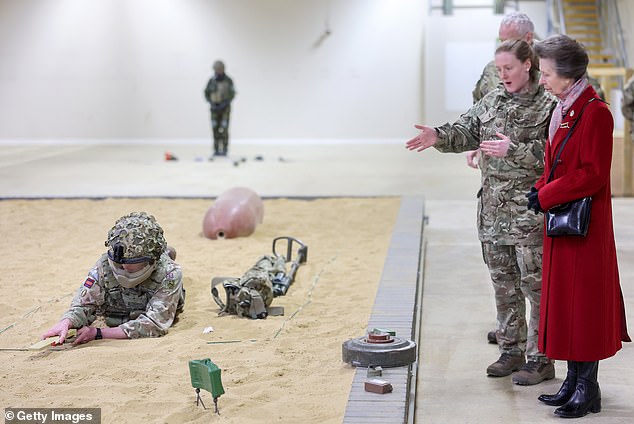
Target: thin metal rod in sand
x=308, y=297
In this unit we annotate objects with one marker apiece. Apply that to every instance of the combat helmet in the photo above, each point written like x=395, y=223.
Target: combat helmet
x=135, y=238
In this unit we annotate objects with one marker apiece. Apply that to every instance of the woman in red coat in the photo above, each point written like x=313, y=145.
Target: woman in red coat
x=582, y=315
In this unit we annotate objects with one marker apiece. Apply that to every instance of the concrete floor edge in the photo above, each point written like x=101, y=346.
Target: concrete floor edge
x=398, y=311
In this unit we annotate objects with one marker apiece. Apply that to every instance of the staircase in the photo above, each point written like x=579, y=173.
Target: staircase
x=581, y=20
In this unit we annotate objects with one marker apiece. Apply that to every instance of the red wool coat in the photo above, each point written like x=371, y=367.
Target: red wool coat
x=582, y=315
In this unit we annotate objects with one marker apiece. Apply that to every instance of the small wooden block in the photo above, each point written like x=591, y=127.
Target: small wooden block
x=378, y=386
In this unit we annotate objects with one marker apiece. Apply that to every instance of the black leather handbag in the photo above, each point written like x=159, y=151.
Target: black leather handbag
x=572, y=218
x=569, y=219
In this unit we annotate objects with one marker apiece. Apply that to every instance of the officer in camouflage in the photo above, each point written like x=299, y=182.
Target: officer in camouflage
x=627, y=104
x=509, y=125
x=136, y=286
x=513, y=26
x=220, y=93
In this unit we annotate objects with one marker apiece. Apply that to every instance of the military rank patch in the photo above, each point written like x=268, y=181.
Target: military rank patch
x=89, y=282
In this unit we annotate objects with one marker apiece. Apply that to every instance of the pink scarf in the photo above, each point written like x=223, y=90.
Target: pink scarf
x=566, y=100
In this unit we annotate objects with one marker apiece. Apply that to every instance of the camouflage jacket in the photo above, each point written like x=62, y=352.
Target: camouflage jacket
x=627, y=102
x=147, y=310
x=220, y=91
x=488, y=81
x=503, y=217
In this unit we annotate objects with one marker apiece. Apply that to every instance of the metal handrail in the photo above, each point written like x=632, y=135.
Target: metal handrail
x=610, y=24
x=614, y=30
x=555, y=23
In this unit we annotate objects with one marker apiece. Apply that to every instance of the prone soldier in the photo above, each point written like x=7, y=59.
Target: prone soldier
x=136, y=286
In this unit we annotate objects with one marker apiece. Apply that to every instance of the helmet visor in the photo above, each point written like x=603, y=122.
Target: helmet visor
x=121, y=260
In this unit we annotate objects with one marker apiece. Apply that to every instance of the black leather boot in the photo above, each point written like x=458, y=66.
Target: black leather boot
x=587, y=395
x=565, y=391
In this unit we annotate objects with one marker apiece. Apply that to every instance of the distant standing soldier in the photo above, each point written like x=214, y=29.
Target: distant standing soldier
x=220, y=93
x=627, y=104
x=136, y=286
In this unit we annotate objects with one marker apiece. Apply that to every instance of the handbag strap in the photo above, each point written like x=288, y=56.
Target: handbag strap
x=563, y=143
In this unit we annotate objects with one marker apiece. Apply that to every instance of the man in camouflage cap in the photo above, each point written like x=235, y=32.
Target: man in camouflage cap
x=220, y=92
x=136, y=286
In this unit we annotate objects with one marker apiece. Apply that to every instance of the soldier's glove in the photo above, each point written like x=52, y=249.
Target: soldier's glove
x=533, y=201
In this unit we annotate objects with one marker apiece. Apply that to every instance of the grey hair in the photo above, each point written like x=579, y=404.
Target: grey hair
x=568, y=55
x=520, y=21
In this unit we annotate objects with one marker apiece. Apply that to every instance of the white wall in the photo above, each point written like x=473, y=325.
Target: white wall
x=137, y=68
x=454, y=63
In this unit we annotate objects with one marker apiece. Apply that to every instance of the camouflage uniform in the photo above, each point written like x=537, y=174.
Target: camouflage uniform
x=219, y=93
x=627, y=104
x=145, y=310
x=510, y=234
x=488, y=81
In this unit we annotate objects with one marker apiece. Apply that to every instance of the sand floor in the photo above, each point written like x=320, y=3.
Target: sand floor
x=282, y=369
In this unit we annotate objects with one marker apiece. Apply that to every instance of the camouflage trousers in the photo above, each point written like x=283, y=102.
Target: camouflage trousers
x=516, y=274
x=220, y=129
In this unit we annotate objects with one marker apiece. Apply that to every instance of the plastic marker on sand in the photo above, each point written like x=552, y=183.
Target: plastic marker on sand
x=51, y=341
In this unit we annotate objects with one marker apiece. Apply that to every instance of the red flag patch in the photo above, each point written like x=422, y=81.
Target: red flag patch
x=89, y=282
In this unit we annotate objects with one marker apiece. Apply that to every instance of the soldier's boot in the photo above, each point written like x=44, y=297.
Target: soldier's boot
x=506, y=365
x=587, y=395
x=534, y=372
x=491, y=337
